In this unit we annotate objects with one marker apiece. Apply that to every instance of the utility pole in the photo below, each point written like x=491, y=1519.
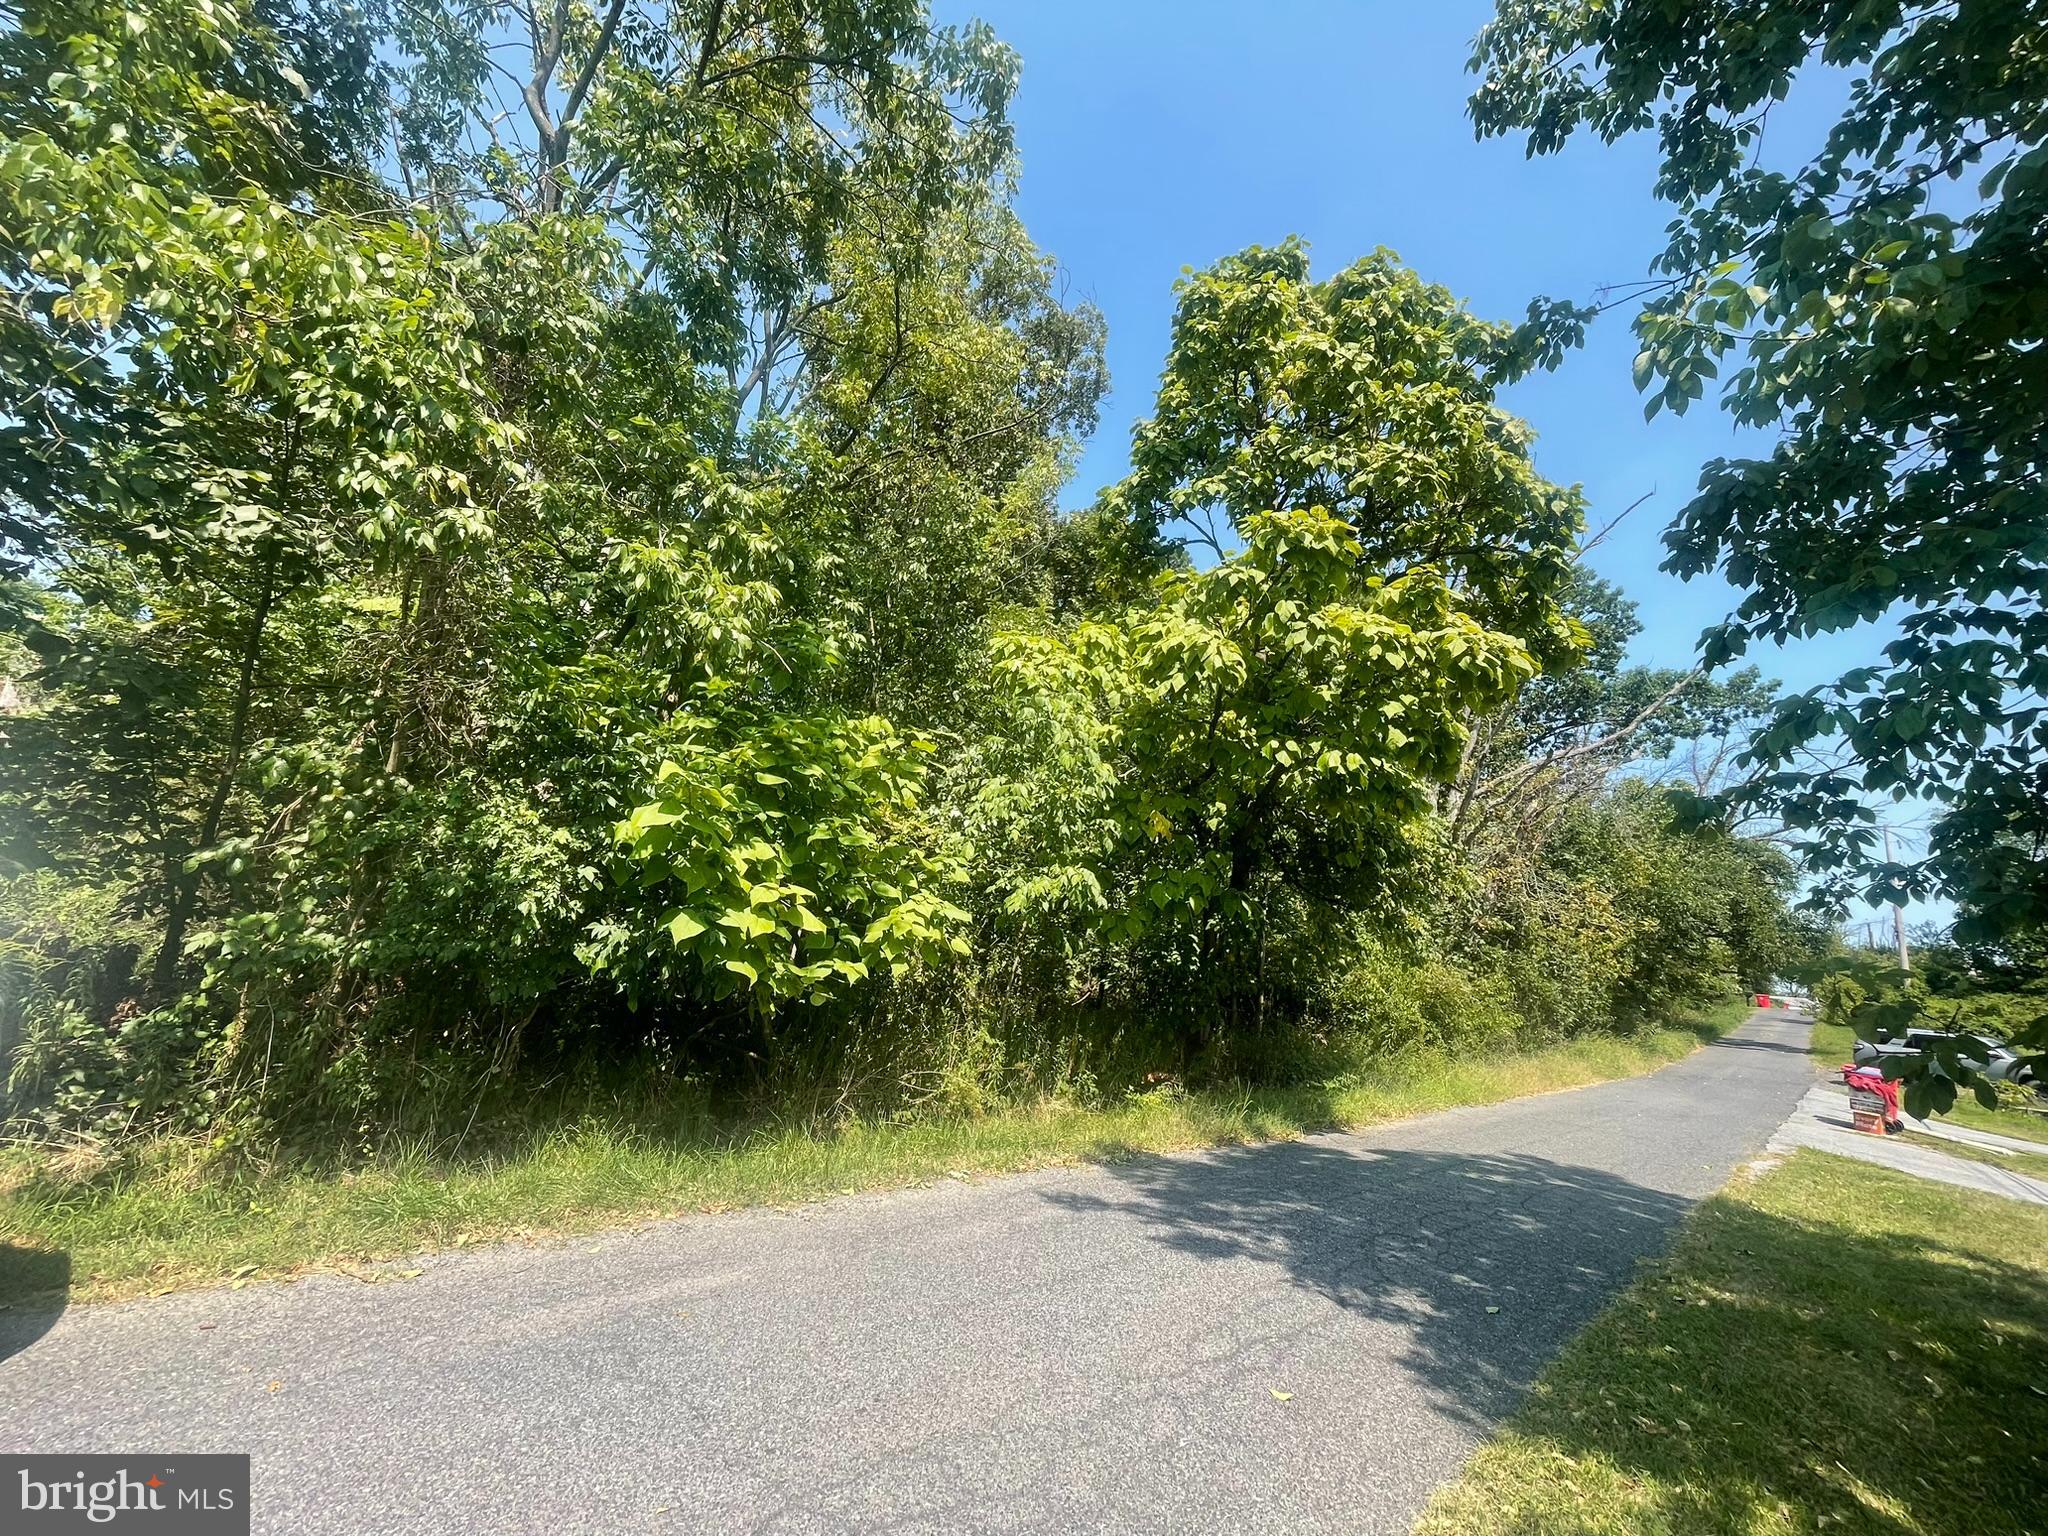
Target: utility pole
x=1898, y=912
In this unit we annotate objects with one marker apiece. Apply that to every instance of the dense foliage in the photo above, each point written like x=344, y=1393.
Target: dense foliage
x=534, y=534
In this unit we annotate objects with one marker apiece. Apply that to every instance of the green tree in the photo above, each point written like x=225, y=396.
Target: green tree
x=1372, y=395
x=282, y=370
x=161, y=121
x=588, y=579
x=1267, y=729
x=1271, y=731
x=1884, y=306
x=389, y=537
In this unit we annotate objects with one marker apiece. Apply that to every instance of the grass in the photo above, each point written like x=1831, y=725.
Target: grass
x=1829, y=1346
x=2025, y=1125
x=170, y=1216
x=1832, y=1044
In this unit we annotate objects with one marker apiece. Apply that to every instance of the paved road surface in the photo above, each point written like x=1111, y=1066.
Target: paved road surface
x=1076, y=1350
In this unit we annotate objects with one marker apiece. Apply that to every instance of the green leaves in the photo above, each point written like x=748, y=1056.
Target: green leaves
x=795, y=847
x=397, y=529
x=625, y=562
x=1273, y=727
x=1247, y=723
x=1370, y=395
x=1891, y=338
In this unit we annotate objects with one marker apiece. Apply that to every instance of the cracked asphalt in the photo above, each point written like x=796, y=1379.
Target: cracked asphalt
x=1305, y=1336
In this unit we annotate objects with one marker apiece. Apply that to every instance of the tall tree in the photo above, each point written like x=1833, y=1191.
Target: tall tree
x=405, y=483
x=1268, y=732
x=1370, y=394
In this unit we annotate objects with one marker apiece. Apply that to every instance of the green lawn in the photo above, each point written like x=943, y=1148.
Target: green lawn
x=1829, y=1347
x=1831, y=1044
x=170, y=1216
x=2006, y=1122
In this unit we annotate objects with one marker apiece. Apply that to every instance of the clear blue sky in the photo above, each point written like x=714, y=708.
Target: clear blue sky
x=1161, y=134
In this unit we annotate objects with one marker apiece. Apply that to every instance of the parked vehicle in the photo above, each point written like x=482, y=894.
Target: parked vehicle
x=1980, y=1053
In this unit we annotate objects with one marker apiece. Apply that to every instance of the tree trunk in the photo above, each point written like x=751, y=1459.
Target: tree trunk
x=185, y=881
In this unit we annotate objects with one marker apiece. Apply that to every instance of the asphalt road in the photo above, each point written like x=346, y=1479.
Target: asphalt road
x=1078, y=1350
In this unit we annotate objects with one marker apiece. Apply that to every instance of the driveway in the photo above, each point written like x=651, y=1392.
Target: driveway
x=1304, y=1336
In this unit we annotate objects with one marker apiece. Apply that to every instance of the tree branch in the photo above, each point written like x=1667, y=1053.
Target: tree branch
x=1636, y=722
x=588, y=73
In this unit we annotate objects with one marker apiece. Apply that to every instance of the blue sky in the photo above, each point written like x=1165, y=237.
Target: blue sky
x=1161, y=134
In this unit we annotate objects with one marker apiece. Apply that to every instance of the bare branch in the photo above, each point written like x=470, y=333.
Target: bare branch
x=1615, y=737
x=1613, y=523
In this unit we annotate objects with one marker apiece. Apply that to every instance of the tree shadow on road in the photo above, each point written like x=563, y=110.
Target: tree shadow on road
x=1488, y=1262
x=1853, y=1349
x=36, y=1285
x=1782, y=1047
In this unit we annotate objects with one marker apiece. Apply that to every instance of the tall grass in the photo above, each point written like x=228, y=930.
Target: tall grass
x=174, y=1213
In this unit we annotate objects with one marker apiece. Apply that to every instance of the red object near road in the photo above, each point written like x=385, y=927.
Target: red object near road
x=1873, y=1100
